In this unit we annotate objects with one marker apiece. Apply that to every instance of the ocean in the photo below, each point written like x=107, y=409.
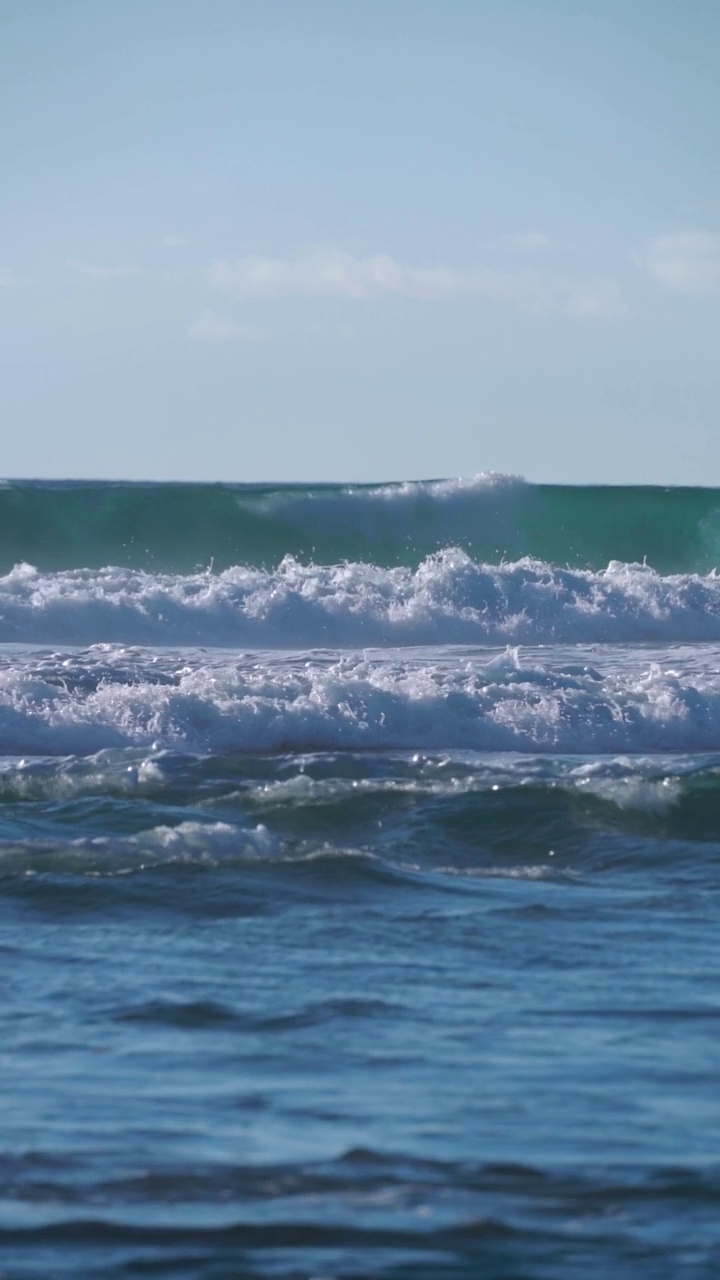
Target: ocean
x=359, y=865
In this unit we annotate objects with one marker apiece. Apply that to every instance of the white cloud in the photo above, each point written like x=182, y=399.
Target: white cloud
x=210, y=327
x=107, y=273
x=175, y=242
x=527, y=241
x=337, y=274
x=688, y=261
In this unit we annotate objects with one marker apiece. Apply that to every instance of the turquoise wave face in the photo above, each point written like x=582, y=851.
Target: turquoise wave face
x=182, y=527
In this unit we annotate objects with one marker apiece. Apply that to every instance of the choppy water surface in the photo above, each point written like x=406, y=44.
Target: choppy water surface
x=340, y=939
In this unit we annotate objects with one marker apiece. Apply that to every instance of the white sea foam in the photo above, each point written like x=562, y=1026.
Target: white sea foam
x=448, y=599
x=485, y=482
x=105, y=698
x=197, y=843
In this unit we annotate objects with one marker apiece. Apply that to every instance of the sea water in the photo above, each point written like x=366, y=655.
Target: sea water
x=359, y=857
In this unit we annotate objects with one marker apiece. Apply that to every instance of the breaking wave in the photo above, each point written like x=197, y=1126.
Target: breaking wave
x=448, y=599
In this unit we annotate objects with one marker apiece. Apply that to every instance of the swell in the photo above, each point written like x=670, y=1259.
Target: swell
x=430, y=1216
x=333, y=828
x=181, y=527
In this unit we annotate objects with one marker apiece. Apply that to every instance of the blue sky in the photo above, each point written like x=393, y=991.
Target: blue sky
x=296, y=240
